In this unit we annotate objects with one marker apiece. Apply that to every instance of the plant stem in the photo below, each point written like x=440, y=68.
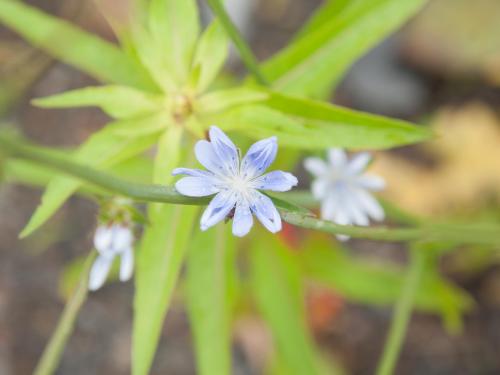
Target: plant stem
x=53, y=351
x=402, y=314
x=428, y=231
x=245, y=52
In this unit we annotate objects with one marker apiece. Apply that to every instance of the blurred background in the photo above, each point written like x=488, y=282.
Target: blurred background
x=441, y=69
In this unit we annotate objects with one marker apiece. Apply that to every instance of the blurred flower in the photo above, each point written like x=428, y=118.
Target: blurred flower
x=235, y=183
x=343, y=188
x=111, y=241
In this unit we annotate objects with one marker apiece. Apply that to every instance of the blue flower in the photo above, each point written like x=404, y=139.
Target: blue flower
x=235, y=183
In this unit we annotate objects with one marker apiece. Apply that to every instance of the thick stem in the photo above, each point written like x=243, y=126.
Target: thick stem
x=402, y=314
x=240, y=44
x=52, y=354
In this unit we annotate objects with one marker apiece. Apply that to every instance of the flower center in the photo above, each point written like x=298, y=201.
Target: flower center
x=181, y=107
x=239, y=184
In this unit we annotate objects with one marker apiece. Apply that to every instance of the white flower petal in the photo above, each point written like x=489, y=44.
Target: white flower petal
x=192, y=172
x=126, y=264
x=329, y=206
x=225, y=149
x=99, y=272
x=196, y=186
x=358, y=163
x=276, y=181
x=122, y=237
x=355, y=212
x=217, y=209
x=316, y=166
x=371, y=182
x=337, y=158
x=207, y=157
x=370, y=205
x=263, y=207
x=242, y=220
x=319, y=188
x=259, y=157
x=103, y=238
x=341, y=217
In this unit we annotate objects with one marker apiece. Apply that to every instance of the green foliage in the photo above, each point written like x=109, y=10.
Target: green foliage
x=17, y=171
x=159, y=259
x=210, y=266
x=102, y=150
x=277, y=285
x=160, y=94
x=368, y=282
x=210, y=56
x=116, y=101
x=174, y=29
x=220, y=100
x=74, y=46
x=308, y=124
x=158, y=265
x=334, y=39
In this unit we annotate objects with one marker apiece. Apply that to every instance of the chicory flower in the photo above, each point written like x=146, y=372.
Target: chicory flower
x=235, y=183
x=111, y=241
x=343, y=188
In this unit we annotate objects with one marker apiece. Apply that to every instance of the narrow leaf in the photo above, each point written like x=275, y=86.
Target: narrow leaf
x=324, y=14
x=308, y=124
x=158, y=265
x=116, y=101
x=221, y=100
x=367, y=282
x=74, y=46
x=210, y=264
x=317, y=59
x=210, y=55
x=174, y=27
x=278, y=289
x=160, y=258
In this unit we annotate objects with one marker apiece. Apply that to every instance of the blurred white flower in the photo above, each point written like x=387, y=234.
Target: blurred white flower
x=344, y=189
x=234, y=183
x=111, y=241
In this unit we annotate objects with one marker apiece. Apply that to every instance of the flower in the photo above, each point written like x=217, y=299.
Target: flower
x=235, y=183
x=111, y=241
x=343, y=188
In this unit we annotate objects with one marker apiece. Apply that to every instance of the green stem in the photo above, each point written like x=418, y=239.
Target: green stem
x=53, y=351
x=245, y=52
x=428, y=231
x=402, y=314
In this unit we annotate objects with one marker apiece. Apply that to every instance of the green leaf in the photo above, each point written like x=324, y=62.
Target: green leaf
x=308, y=124
x=116, y=101
x=74, y=46
x=174, y=28
x=323, y=15
x=278, y=290
x=211, y=53
x=102, y=150
x=152, y=57
x=365, y=281
x=209, y=266
x=319, y=58
x=158, y=265
x=220, y=100
x=159, y=259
